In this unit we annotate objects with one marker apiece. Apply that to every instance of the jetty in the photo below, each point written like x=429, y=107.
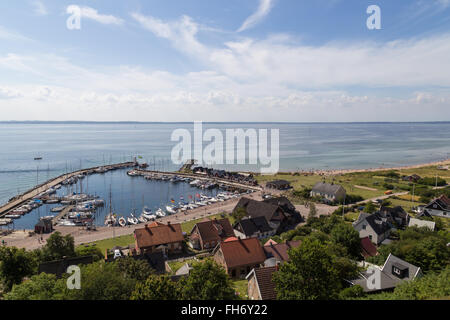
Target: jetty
x=32, y=193
x=226, y=182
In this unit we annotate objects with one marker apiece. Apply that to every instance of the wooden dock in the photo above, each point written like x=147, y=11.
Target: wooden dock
x=29, y=195
x=62, y=214
x=204, y=178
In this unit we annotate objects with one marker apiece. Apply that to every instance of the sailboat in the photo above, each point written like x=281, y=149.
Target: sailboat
x=171, y=209
x=132, y=219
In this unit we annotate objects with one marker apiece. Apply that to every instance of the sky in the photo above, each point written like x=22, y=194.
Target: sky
x=234, y=60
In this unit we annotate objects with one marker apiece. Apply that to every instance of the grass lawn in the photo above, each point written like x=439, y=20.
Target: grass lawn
x=352, y=216
x=175, y=265
x=241, y=287
x=121, y=241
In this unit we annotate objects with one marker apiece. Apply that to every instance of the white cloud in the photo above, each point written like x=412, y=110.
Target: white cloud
x=6, y=34
x=264, y=8
x=39, y=8
x=92, y=14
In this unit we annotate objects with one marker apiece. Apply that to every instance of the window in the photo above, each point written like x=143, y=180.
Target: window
x=364, y=227
x=370, y=237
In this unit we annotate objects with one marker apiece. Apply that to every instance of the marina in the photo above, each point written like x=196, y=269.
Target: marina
x=116, y=196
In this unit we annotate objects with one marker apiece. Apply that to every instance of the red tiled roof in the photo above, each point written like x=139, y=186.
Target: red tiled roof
x=265, y=284
x=215, y=229
x=157, y=234
x=368, y=248
x=269, y=242
x=280, y=250
x=242, y=252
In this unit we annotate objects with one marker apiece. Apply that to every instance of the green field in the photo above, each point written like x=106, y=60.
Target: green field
x=121, y=241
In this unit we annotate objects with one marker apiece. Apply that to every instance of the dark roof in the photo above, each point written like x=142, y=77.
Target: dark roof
x=327, y=188
x=156, y=260
x=264, y=281
x=392, y=214
x=59, y=267
x=242, y=252
x=387, y=279
x=378, y=224
x=282, y=202
x=252, y=225
x=158, y=234
x=280, y=250
x=215, y=229
x=368, y=248
x=257, y=208
x=442, y=201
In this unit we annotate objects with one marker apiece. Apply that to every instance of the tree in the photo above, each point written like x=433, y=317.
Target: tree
x=207, y=281
x=82, y=251
x=58, y=246
x=156, y=288
x=39, y=287
x=352, y=293
x=348, y=237
x=102, y=281
x=139, y=270
x=239, y=214
x=15, y=264
x=312, y=210
x=310, y=274
x=370, y=208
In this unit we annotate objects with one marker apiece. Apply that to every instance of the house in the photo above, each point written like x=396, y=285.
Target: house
x=239, y=256
x=412, y=178
x=397, y=217
x=292, y=214
x=373, y=226
x=422, y=223
x=279, y=185
x=329, y=192
x=59, y=267
x=207, y=234
x=159, y=237
x=280, y=251
x=261, y=285
x=367, y=248
x=274, y=214
x=44, y=226
x=257, y=227
x=393, y=272
x=439, y=207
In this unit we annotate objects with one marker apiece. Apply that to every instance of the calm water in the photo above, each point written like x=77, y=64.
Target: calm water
x=66, y=147
x=128, y=195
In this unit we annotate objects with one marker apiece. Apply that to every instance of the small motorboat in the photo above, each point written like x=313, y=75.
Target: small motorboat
x=122, y=222
x=13, y=216
x=57, y=209
x=171, y=210
x=142, y=219
x=132, y=220
x=160, y=213
x=52, y=201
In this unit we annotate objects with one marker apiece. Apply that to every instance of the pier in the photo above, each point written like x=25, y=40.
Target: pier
x=30, y=194
x=203, y=178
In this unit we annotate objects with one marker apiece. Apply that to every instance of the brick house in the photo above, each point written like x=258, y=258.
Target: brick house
x=156, y=237
x=207, y=234
x=239, y=256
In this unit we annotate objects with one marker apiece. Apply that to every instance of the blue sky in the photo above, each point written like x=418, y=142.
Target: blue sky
x=210, y=60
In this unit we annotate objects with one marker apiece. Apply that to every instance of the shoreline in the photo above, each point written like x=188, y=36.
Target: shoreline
x=344, y=171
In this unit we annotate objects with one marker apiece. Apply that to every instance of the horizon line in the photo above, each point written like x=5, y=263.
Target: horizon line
x=213, y=122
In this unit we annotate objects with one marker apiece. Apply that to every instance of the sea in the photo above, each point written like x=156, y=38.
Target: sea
x=69, y=146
